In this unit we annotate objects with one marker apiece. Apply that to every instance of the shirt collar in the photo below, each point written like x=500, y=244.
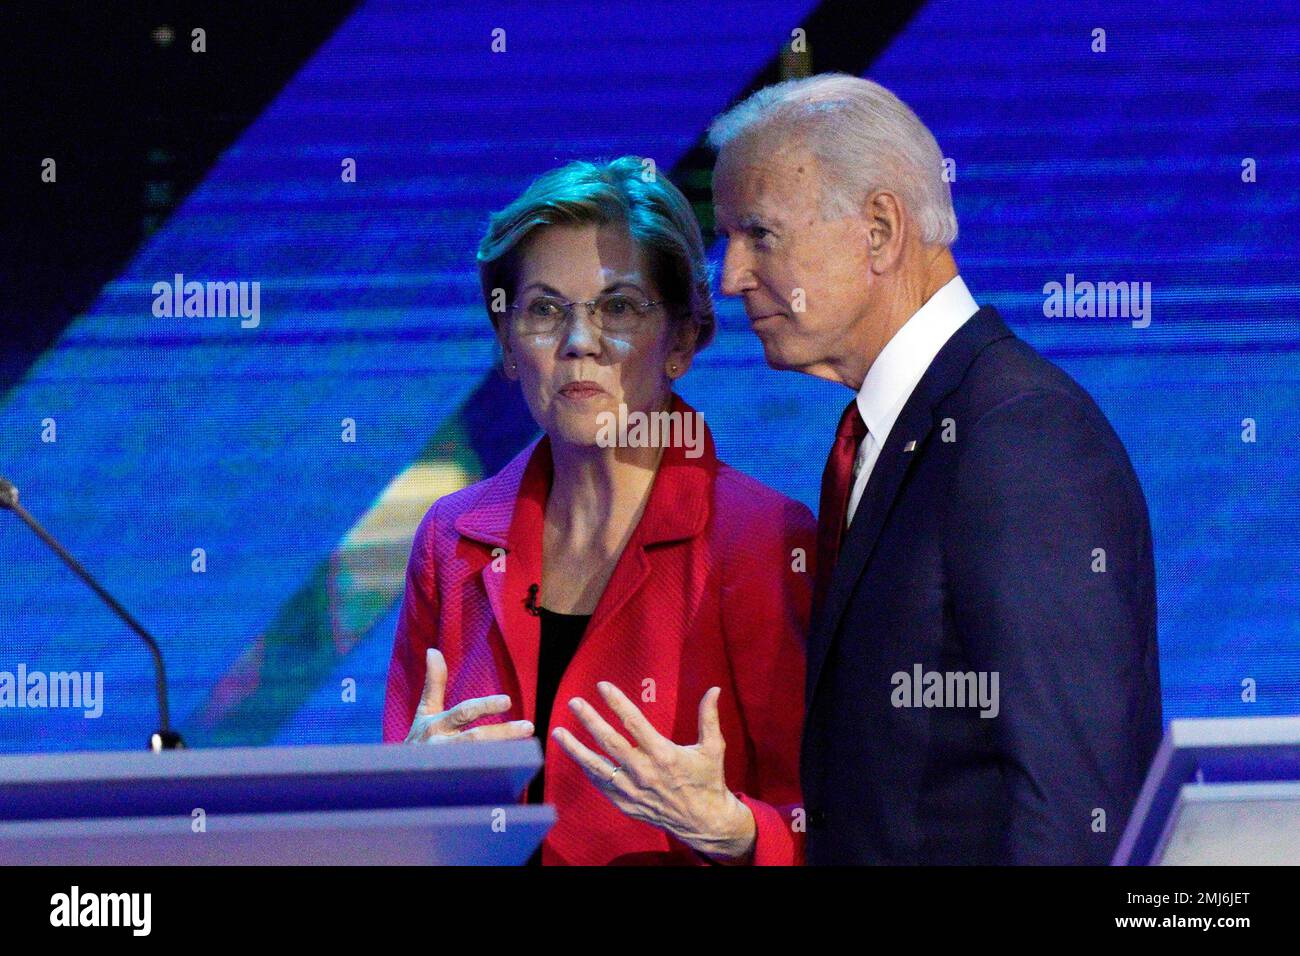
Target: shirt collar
x=899, y=367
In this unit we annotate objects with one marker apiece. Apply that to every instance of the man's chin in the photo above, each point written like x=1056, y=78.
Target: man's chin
x=781, y=347
x=776, y=357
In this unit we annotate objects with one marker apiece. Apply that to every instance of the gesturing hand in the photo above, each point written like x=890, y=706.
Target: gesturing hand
x=680, y=789
x=432, y=724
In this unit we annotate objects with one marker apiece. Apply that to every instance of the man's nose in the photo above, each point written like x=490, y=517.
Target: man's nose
x=737, y=276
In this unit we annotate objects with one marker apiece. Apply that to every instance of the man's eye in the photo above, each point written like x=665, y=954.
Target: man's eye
x=759, y=234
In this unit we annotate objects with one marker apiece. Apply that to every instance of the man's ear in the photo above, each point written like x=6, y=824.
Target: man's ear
x=885, y=224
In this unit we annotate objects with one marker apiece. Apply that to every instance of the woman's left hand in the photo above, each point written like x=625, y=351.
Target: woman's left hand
x=682, y=790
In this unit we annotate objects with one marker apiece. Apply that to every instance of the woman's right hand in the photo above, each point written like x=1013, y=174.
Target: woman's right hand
x=433, y=725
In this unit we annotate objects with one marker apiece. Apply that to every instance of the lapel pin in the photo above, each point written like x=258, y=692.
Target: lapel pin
x=910, y=446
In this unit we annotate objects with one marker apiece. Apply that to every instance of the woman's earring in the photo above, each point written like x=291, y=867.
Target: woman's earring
x=672, y=368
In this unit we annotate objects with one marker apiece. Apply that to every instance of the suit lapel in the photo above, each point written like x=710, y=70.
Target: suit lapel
x=907, y=442
x=892, y=466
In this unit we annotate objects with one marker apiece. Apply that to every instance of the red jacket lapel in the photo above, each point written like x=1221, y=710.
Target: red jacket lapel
x=677, y=509
x=508, y=518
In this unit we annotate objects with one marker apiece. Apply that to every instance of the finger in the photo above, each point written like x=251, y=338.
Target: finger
x=598, y=770
x=468, y=711
x=435, y=682
x=711, y=739
x=511, y=730
x=613, y=743
x=421, y=731
x=637, y=724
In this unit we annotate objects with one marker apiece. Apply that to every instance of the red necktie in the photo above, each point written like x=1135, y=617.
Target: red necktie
x=837, y=483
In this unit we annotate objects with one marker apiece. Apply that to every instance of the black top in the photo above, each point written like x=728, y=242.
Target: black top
x=561, y=634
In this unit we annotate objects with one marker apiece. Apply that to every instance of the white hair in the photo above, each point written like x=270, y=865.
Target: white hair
x=864, y=136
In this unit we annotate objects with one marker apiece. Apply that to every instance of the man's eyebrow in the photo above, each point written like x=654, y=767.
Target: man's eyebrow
x=755, y=219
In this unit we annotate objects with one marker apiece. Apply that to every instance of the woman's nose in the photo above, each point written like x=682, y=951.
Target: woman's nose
x=581, y=335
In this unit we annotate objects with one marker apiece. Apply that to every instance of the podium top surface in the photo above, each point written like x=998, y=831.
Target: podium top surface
x=1232, y=750
x=264, y=779
x=1235, y=732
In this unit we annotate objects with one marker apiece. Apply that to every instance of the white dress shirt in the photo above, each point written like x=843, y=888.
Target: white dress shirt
x=896, y=371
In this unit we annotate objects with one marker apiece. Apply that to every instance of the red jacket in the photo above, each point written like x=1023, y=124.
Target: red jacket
x=708, y=591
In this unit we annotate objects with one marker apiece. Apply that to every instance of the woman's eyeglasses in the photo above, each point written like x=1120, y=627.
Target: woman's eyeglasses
x=612, y=312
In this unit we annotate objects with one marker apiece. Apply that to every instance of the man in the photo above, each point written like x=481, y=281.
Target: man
x=982, y=681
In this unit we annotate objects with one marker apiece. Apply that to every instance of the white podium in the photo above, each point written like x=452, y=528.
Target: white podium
x=351, y=804
x=1219, y=792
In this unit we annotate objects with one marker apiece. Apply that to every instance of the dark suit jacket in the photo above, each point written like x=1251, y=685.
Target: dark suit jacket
x=981, y=551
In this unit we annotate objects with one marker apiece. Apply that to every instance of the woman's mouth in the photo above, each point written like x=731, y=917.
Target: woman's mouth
x=584, y=389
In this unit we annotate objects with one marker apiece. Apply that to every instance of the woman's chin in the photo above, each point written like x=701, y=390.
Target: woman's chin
x=583, y=431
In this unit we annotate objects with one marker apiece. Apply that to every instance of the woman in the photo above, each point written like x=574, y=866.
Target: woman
x=602, y=581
